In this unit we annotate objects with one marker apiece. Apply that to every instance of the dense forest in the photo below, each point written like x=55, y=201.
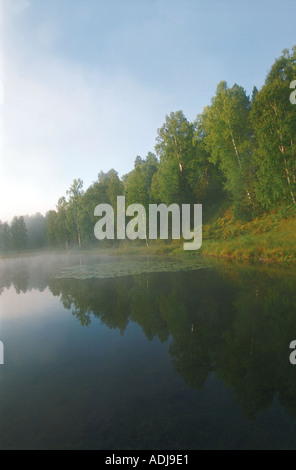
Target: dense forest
x=238, y=155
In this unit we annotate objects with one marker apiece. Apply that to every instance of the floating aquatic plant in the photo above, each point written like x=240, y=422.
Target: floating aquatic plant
x=127, y=267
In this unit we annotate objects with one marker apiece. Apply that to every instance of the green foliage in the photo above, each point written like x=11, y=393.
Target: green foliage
x=36, y=227
x=51, y=227
x=5, y=237
x=18, y=232
x=175, y=148
x=228, y=139
x=74, y=209
x=138, y=183
x=274, y=121
x=111, y=185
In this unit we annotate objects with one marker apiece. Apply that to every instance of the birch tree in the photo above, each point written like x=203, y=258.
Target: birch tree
x=274, y=121
x=228, y=139
x=175, y=149
x=75, y=194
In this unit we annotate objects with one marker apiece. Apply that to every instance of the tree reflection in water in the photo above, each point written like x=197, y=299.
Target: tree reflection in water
x=235, y=322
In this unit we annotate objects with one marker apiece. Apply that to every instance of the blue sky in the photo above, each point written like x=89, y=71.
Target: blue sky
x=87, y=83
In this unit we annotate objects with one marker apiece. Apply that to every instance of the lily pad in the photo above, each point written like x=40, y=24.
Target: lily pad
x=127, y=267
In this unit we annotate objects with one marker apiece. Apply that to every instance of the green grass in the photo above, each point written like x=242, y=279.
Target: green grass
x=270, y=238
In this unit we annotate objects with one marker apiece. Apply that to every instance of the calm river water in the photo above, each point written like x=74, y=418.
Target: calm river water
x=142, y=353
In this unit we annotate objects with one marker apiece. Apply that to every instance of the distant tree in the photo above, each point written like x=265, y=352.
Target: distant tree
x=18, y=233
x=93, y=196
x=63, y=224
x=150, y=166
x=51, y=228
x=138, y=183
x=112, y=185
x=136, y=190
x=36, y=226
x=59, y=225
x=138, y=161
x=75, y=194
x=5, y=237
x=254, y=93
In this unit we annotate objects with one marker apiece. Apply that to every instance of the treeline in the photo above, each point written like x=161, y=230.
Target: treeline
x=28, y=232
x=241, y=151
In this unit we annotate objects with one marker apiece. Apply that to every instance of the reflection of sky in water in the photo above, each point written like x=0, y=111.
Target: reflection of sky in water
x=59, y=377
x=29, y=304
x=107, y=386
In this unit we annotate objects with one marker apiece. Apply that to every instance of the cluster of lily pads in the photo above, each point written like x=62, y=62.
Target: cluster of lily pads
x=127, y=267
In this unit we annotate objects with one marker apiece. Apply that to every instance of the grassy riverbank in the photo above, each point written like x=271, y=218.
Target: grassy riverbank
x=270, y=238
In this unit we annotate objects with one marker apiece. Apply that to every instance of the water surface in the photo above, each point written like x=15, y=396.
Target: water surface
x=128, y=353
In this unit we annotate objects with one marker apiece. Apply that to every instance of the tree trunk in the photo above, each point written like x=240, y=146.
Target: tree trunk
x=235, y=149
x=78, y=234
x=239, y=160
x=289, y=182
x=79, y=239
x=282, y=150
